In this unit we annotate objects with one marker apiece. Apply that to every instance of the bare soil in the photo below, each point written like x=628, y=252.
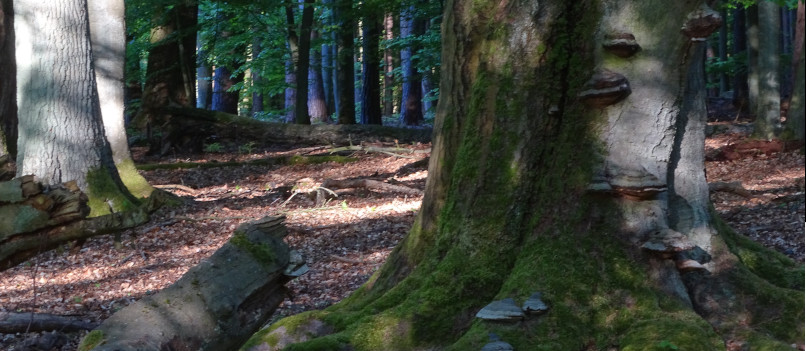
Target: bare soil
x=344, y=240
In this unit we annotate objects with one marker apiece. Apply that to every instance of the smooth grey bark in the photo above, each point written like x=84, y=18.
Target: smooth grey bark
x=61, y=128
x=290, y=66
x=204, y=83
x=8, y=81
x=257, y=95
x=768, y=108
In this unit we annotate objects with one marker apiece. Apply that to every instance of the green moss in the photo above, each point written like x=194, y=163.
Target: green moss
x=94, y=339
x=106, y=195
x=292, y=325
x=135, y=182
x=262, y=252
x=771, y=265
x=669, y=334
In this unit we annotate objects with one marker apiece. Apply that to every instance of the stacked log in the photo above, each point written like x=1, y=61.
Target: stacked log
x=216, y=305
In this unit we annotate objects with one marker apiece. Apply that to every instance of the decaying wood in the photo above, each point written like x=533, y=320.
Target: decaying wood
x=217, y=304
x=369, y=184
x=393, y=151
x=12, y=322
x=25, y=206
x=731, y=187
x=186, y=129
x=19, y=248
x=6, y=168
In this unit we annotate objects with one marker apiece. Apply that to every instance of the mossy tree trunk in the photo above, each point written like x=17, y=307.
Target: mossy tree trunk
x=568, y=160
x=61, y=130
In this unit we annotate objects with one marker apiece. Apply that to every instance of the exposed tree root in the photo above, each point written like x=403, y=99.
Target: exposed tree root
x=12, y=322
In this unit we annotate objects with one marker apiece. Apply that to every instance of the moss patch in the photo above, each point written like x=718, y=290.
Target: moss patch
x=262, y=252
x=106, y=195
x=135, y=182
x=92, y=340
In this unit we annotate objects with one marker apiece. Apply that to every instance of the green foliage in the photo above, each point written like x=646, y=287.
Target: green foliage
x=247, y=148
x=213, y=147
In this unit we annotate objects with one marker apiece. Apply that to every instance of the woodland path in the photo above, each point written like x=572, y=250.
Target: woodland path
x=344, y=241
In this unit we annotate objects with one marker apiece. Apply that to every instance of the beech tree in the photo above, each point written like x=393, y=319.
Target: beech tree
x=568, y=161
x=8, y=79
x=61, y=133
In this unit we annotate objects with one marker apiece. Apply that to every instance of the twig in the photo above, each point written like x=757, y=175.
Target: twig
x=346, y=260
x=176, y=187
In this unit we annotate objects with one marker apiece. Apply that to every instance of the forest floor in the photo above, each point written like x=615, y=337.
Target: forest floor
x=344, y=240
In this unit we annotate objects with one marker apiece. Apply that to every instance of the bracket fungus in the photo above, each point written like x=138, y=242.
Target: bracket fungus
x=502, y=310
x=630, y=183
x=667, y=242
x=621, y=44
x=605, y=88
x=296, y=265
x=496, y=344
x=534, y=304
x=701, y=23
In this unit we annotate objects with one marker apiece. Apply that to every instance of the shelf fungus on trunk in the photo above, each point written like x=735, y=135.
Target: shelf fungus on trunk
x=605, y=88
x=701, y=23
x=668, y=242
x=621, y=44
x=502, y=311
x=630, y=183
x=534, y=304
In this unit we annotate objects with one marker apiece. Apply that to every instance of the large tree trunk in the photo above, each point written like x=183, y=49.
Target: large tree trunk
x=569, y=162
x=8, y=81
x=61, y=130
x=108, y=37
x=317, y=103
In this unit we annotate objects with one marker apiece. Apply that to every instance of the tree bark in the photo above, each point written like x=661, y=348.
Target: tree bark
x=216, y=305
x=752, y=35
x=61, y=131
x=8, y=81
x=108, y=39
x=569, y=162
x=370, y=72
x=768, y=108
x=290, y=65
x=411, y=108
x=740, y=89
x=345, y=71
x=317, y=104
x=795, y=115
x=388, y=66
x=303, y=62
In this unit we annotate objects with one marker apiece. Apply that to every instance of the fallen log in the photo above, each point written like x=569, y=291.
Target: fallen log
x=12, y=322
x=186, y=129
x=216, y=305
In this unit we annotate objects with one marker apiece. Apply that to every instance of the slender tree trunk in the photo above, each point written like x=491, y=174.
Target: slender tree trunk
x=290, y=65
x=317, y=106
x=768, y=109
x=740, y=89
x=225, y=100
x=573, y=179
x=204, y=82
x=301, y=104
x=411, y=109
x=370, y=72
x=752, y=25
x=108, y=38
x=345, y=71
x=8, y=81
x=795, y=114
x=61, y=130
x=257, y=81
x=327, y=78
x=723, y=52
x=388, y=66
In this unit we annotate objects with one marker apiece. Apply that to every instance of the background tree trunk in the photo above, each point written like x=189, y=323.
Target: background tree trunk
x=795, y=115
x=8, y=81
x=559, y=167
x=752, y=28
x=345, y=71
x=306, y=23
x=768, y=108
x=317, y=105
x=370, y=72
x=388, y=66
x=740, y=90
x=61, y=130
x=411, y=109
